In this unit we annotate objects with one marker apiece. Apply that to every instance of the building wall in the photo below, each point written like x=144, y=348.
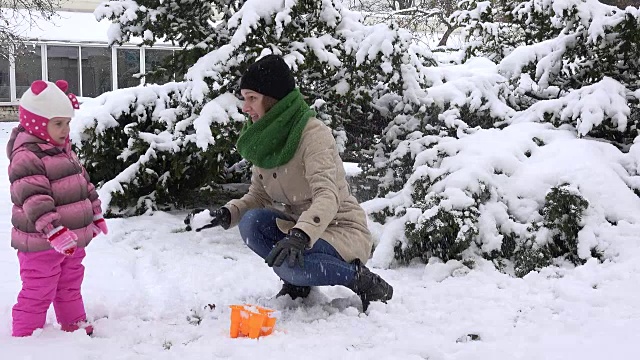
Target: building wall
x=79, y=5
x=8, y=113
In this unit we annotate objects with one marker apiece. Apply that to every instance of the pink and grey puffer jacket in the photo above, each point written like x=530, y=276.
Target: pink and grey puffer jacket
x=49, y=188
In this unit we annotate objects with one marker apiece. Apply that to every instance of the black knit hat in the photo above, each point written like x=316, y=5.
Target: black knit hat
x=269, y=76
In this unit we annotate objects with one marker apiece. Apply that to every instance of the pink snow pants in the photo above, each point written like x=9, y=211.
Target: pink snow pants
x=48, y=276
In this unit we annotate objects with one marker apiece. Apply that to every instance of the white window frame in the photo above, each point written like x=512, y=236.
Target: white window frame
x=12, y=79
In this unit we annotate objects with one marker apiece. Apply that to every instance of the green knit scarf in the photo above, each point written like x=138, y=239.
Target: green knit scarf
x=273, y=139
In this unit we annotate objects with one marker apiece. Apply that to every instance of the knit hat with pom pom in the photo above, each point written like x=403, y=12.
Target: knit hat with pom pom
x=42, y=102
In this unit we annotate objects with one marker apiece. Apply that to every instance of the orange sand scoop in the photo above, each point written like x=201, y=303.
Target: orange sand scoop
x=251, y=320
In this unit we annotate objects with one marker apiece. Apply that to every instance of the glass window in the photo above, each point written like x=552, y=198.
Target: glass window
x=62, y=64
x=28, y=69
x=5, y=90
x=96, y=70
x=128, y=66
x=155, y=60
x=181, y=69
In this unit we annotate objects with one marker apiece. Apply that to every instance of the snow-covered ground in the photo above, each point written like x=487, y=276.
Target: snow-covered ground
x=150, y=290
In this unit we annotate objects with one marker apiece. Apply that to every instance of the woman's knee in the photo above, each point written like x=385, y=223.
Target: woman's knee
x=288, y=274
x=259, y=231
x=250, y=221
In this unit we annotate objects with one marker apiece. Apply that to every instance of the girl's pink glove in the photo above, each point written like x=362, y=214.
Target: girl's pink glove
x=63, y=240
x=99, y=225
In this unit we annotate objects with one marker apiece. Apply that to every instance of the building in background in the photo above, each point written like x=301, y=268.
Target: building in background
x=73, y=46
x=79, y=5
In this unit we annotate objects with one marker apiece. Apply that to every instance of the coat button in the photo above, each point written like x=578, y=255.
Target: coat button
x=274, y=175
x=260, y=176
x=316, y=219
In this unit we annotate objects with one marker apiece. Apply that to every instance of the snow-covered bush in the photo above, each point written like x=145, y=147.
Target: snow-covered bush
x=562, y=213
x=562, y=218
x=447, y=175
x=569, y=61
x=524, y=196
x=146, y=151
x=442, y=231
x=454, y=100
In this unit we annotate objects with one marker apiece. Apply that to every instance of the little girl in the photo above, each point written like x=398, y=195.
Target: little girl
x=56, y=210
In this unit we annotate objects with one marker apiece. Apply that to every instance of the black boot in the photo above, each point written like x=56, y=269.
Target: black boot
x=370, y=286
x=294, y=291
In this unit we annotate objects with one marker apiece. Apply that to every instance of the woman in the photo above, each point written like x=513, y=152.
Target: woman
x=298, y=213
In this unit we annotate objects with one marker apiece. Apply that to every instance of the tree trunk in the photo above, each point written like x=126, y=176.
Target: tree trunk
x=445, y=37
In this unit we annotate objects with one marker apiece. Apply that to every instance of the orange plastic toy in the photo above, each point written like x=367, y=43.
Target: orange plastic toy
x=252, y=321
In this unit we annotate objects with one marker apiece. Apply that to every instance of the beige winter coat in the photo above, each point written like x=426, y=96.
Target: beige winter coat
x=311, y=189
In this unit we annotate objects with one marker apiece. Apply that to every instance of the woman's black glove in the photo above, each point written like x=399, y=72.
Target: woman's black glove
x=292, y=247
x=217, y=217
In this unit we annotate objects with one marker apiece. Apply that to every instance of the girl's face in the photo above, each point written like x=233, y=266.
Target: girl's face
x=58, y=129
x=253, y=104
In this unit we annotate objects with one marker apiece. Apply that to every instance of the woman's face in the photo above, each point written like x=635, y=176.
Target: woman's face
x=254, y=104
x=58, y=129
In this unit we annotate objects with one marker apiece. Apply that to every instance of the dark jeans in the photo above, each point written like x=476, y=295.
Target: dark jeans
x=322, y=263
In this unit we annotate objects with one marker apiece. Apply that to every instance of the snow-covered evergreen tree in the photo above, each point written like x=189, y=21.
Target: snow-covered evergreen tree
x=355, y=75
